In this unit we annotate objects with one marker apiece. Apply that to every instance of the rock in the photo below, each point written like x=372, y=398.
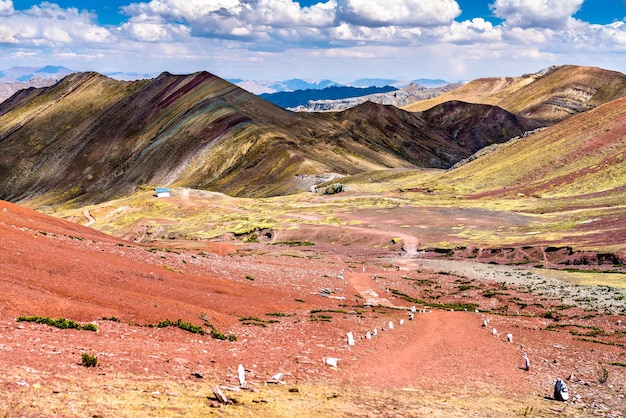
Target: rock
x=509, y=337
x=331, y=361
x=390, y=325
x=526, y=362
x=336, y=188
x=221, y=398
x=198, y=375
x=561, y=392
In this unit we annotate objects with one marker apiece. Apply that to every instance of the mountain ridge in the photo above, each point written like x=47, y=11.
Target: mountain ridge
x=550, y=95
x=92, y=137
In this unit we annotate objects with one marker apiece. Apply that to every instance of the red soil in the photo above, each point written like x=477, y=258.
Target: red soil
x=58, y=269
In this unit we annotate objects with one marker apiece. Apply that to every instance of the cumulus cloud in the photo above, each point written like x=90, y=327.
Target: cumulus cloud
x=49, y=24
x=235, y=19
x=477, y=30
x=554, y=14
x=154, y=31
x=398, y=12
x=235, y=34
x=6, y=7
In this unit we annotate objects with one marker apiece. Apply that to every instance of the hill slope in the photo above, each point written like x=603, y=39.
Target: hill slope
x=581, y=157
x=90, y=138
x=551, y=95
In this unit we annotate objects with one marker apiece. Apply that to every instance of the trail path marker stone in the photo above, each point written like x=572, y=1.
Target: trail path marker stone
x=350, y=338
x=242, y=376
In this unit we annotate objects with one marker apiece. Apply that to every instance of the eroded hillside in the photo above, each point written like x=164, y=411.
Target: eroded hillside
x=90, y=138
x=551, y=95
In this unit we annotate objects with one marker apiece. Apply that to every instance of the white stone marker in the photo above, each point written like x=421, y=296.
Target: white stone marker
x=331, y=361
x=374, y=332
x=509, y=337
x=350, y=338
x=390, y=325
x=368, y=335
x=526, y=362
x=242, y=376
x=402, y=322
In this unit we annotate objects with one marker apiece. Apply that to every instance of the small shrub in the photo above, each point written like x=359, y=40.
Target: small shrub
x=88, y=360
x=90, y=327
x=61, y=323
x=185, y=326
x=217, y=335
x=250, y=278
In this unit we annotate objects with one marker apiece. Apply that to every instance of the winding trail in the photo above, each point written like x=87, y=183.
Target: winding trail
x=90, y=219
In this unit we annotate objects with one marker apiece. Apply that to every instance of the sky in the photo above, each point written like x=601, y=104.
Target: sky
x=341, y=40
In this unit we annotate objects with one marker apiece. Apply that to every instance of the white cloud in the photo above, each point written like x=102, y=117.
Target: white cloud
x=7, y=35
x=539, y=13
x=476, y=30
x=530, y=36
x=276, y=38
x=398, y=12
x=248, y=20
x=49, y=24
x=6, y=7
x=154, y=32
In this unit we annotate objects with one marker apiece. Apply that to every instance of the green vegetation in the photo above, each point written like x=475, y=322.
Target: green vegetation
x=252, y=320
x=220, y=336
x=294, y=243
x=58, y=322
x=88, y=360
x=185, y=326
x=279, y=314
x=447, y=306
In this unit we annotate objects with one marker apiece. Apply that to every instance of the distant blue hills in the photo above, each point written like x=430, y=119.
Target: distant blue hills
x=291, y=99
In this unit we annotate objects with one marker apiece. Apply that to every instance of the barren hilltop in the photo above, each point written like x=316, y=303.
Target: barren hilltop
x=440, y=250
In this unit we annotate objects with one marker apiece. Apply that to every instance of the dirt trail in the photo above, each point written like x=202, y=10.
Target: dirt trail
x=444, y=349
x=90, y=219
x=368, y=288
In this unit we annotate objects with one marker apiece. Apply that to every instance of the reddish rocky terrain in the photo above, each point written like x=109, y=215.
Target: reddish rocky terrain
x=289, y=308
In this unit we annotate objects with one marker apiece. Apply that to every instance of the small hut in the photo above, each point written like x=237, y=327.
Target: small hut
x=162, y=192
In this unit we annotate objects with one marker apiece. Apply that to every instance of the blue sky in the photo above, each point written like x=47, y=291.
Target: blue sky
x=322, y=39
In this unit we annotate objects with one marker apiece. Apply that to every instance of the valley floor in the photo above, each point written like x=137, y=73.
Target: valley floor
x=290, y=309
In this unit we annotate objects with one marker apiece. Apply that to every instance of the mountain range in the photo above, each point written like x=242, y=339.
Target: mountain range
x=90, y=138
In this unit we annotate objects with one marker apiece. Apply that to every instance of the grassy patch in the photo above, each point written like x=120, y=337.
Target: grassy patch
x=185, y=326
x=294, y=243
x=58, y=322
x=447, y=306
x=253, y=320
